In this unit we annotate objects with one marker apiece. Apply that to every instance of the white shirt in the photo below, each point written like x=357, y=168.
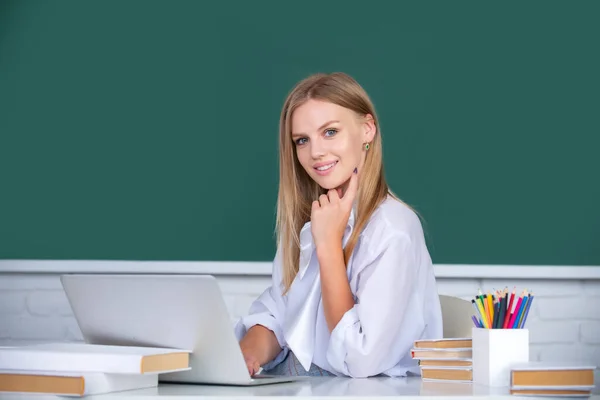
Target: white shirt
x=391, y=277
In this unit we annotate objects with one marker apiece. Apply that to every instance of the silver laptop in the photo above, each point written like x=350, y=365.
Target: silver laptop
x=173, y=311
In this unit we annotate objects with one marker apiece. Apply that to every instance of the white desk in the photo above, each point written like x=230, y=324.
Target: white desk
x=328, y=388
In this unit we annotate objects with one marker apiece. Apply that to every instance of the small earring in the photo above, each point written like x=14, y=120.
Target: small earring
x=367, y=146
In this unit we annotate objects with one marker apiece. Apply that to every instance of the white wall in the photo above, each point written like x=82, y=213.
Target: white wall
x=564, y=321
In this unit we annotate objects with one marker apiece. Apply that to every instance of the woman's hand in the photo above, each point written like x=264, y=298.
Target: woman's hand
x=329, y=215
x=259, y=346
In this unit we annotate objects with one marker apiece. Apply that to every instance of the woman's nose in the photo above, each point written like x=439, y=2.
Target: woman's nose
x=317, y=149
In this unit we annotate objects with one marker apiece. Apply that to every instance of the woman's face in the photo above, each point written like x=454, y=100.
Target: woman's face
x=329, y=141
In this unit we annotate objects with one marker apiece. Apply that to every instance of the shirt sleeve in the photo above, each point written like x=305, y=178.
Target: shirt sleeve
x=380, y=329
x=267, y=310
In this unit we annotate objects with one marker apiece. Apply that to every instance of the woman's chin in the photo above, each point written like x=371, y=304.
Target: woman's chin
x=329, y=183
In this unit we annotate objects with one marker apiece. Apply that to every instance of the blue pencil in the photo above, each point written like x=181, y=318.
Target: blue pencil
x=526, y=311
x=519, y=312
x=476, y=321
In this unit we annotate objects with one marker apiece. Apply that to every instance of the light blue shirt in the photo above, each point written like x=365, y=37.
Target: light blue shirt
x=392, y=279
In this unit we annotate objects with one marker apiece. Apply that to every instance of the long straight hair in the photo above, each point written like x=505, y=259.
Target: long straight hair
x=297, y=190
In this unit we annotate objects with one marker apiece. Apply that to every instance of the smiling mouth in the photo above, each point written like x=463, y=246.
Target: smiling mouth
x=326, y=167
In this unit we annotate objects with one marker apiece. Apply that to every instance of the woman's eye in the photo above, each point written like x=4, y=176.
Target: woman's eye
x=300, y=141
x=330, y=132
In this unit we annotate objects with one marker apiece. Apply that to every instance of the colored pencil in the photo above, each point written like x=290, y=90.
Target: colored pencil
x=477, y=312
x=522, y=310
x=513, y=316
x=482, y=312
x=527, y=310
x=509, y=309
x=491, y=308
x=496, y=311
x=502, y=311
x=485, y=306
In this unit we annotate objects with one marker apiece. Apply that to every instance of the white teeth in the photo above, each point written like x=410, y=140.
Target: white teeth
x=326, y=167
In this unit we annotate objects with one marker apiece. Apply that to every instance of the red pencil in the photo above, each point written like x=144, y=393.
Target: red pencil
x=514, y=314
x=509, y=309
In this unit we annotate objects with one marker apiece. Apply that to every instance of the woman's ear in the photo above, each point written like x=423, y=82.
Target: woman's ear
x=369, y=128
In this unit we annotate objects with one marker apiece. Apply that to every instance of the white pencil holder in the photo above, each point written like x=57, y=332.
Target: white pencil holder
x=495, y=351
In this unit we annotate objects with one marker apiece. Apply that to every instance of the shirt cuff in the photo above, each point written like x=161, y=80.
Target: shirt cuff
x=277, y=360
x=336, y=351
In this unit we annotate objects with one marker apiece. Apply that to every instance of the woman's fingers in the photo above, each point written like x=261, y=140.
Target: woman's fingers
x=324, y=200
x=253, y=367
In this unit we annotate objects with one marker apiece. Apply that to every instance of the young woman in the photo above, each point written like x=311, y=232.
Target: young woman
x=352, y=284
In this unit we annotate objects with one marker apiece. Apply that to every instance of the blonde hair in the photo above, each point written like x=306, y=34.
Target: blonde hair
x=297, y=190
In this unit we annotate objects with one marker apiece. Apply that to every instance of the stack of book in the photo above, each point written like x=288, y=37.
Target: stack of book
x=79, y=369
x=448, y=359
x=552, y=379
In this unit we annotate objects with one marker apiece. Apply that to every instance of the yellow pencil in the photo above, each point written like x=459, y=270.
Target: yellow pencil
x=482, y=312
x=491, y=307
x=486, y=308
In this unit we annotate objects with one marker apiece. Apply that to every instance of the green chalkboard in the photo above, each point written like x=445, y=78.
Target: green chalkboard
x=147, y=130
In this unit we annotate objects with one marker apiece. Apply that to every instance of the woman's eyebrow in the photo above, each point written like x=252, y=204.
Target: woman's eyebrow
x=321, y=127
